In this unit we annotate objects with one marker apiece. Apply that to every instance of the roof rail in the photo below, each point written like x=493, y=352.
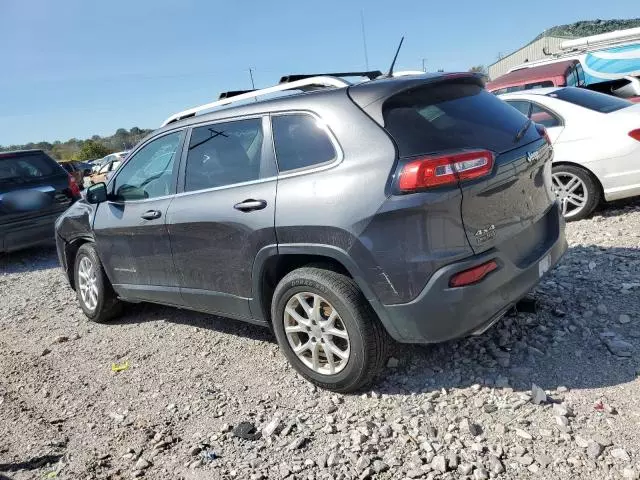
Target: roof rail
x=371, y=75
x=233, y=93
x=313, y=82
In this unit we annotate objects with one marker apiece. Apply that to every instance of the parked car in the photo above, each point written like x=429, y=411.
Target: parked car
x=86, y=168
x=567, y=73
x=559, y=74
x=102, y=173
x=596, y=139
x=418, y=208
x=98, y=164
x=34, y=191
x=75, y=171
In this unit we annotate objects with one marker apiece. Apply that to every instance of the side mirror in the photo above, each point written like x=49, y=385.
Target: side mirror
x=97, y=193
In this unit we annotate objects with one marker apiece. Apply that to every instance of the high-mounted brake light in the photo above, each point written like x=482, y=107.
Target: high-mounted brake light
x=437, y=171
x=635, y=134
x=73, y=187
x=543, y=133
x=473, y=275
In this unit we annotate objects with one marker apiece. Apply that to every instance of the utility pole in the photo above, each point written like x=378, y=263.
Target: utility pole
x=424, y=68
x=364, y=41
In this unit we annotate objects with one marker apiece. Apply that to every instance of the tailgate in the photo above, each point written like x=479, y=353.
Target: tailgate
x=31, y=185
x=511, y=201
x=438, y=122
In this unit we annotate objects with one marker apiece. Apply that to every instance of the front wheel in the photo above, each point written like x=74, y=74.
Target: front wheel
x=96, y=296
x=577, y=190
x=327, y=330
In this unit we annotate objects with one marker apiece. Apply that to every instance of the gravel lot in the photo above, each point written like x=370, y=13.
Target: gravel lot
x=465, y=409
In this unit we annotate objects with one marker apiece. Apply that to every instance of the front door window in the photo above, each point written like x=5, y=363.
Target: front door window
x=149, y=173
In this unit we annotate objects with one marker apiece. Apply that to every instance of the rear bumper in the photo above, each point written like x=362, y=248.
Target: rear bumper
x=442, y=313
x=27, y=233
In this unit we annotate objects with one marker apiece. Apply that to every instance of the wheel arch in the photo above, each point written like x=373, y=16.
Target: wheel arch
x=273, y=262
x=70, y=251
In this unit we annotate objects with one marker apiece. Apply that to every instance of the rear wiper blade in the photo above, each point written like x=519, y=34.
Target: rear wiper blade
x=522, y=131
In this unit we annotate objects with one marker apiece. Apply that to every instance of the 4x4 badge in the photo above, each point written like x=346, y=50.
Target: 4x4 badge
x=485, y=234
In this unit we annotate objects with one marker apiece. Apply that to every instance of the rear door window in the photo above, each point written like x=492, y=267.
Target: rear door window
x=520, y=105
x=452, y=116
x=598, y=102
x=301, y=141
x=223, y=154
x=544, y=117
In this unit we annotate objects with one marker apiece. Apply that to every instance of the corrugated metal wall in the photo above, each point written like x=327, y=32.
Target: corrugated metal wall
x=530, y=52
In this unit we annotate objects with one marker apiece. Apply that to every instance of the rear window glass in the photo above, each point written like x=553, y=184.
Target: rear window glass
x=26, y=167
x=596, y=101
x=301, y=141
x=452, y=116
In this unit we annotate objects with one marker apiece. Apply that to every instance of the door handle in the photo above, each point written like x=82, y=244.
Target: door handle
x=151, y=215
x=250, y=205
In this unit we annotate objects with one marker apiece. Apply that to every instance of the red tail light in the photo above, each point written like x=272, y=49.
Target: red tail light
x=543, y=133
x=473, y=275
x=635, y=134
x=73, y=186
x=443, y=170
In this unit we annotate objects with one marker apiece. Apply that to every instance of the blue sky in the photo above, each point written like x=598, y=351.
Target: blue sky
x=74, y=68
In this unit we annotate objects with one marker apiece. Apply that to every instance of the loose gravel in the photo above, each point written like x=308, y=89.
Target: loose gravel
x=165, y=393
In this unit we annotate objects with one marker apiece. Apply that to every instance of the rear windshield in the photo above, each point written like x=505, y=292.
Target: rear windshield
x=596, y=101
x=26, y=167
x=450, y=116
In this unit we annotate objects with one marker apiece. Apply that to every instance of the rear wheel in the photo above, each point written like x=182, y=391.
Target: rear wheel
x=96, y=296
x=327, y=330
x=577, y=190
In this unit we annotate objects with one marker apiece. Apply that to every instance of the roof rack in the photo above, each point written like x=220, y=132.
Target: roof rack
x=303, y=84
x=371, y=75
x=233, y=93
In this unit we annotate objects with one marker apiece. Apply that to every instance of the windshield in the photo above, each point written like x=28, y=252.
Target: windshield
x=598, y=102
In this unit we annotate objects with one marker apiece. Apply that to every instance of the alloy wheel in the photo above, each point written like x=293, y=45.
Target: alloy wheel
x=316, y=333
x=88, y=283
x=571, y=191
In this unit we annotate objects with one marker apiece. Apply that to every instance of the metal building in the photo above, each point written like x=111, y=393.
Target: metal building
x=535, y=50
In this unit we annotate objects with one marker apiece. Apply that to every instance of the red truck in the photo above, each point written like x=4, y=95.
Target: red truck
x=558, y=74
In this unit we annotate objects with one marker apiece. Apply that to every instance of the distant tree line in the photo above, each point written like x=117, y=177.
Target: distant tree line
x=586, y=28
x=88, y=149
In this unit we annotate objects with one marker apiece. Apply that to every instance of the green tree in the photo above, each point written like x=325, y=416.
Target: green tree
x=478, y=69
x=91, y=150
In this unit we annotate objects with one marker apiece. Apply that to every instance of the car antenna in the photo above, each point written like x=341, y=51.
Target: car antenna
x=390, y=74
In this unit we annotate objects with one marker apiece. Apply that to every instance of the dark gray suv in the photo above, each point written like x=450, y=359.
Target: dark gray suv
x=417, y=208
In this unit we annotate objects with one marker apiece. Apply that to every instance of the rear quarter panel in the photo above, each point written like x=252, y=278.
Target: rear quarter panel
x=396, y=242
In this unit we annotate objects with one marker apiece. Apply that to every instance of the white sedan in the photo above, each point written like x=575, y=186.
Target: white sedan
x=596, y=143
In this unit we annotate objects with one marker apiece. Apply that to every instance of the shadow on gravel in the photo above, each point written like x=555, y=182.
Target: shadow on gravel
x=570, y=341
x=29, y=260
x=147, y=312
x=31, y=464
x=612, y=208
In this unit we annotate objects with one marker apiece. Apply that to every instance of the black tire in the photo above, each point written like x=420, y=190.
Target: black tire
x=108, y=306
x=367, y=337
x=592, y=190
